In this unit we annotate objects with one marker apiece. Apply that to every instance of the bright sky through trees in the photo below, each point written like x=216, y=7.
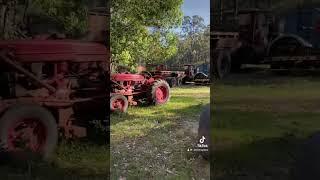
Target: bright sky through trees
x=197, y=7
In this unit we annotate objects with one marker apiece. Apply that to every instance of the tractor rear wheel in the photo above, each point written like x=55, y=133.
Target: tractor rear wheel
x=172, y=82
x=160, y=92
x=179, y=82
x=28, y=128
x=222, y=63
x=119, y=103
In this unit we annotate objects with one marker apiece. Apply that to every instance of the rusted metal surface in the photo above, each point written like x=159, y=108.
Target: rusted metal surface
x=51, y=85
x=61, y=70
x=128, y=77
x=56, y=50
x=173, y=75
x=3, y=57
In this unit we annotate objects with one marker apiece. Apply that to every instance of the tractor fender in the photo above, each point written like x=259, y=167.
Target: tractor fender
x=201, y=74
x=299, y=39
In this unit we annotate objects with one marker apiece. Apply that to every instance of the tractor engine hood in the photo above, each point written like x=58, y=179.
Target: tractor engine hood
x=127, y=77
x=56, y=50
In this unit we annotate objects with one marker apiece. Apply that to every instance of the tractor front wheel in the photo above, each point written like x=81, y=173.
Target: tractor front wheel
x=160, y=92
x=28, y=128
x=119, y=103
x=172, y=82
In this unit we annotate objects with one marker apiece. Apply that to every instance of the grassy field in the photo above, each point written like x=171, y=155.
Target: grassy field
x=152, y=142
x=259, y=123
x=73, y=160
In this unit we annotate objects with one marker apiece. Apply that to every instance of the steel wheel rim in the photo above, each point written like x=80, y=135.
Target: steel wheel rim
x=27, y=134
x=118, y=104
x=161, y=94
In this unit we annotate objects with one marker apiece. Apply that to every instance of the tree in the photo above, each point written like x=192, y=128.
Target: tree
x=10, y=23
x=70, y=15
x=193, y=44
x=19, y=16
x=192, y=26
x=141, y=30
x=193, y=29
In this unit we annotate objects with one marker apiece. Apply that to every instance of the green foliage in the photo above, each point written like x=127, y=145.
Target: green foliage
x=71, y=15
x=194, y=43
x=192, y=26
x=163, y=46
x=10, y=23
x=141, y=30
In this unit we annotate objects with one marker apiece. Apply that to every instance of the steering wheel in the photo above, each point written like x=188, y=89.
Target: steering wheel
x=147, y=74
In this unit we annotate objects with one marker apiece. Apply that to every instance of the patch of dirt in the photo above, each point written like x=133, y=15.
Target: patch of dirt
x=190, y=126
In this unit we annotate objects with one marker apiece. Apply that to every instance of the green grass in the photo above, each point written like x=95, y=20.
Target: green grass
x=259, y=123
x=152, y=142
x=73, y=160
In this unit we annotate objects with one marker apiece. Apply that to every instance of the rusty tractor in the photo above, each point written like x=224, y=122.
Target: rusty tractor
x=180, y=77
x=53, y=87
x=133, y=89
x=192, y=76
x=174, y=78
x=49, y=88
x=258, y=33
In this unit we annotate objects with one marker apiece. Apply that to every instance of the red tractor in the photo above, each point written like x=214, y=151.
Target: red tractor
x=53, y=87
x=132, y=89
x=49, y=88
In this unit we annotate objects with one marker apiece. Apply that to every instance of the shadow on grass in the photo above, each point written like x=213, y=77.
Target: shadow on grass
x=151, y=142
x=13, y=168
x=158, y=149
x=134, y=125
x=270, y=158
x=260, y=77
x=174, y=114
x=258, y=145
x=259, y=130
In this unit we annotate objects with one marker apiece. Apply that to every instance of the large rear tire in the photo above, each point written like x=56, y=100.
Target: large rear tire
x=287, y=45
x=160, y=92
x=29, y=128
x=222, y=63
